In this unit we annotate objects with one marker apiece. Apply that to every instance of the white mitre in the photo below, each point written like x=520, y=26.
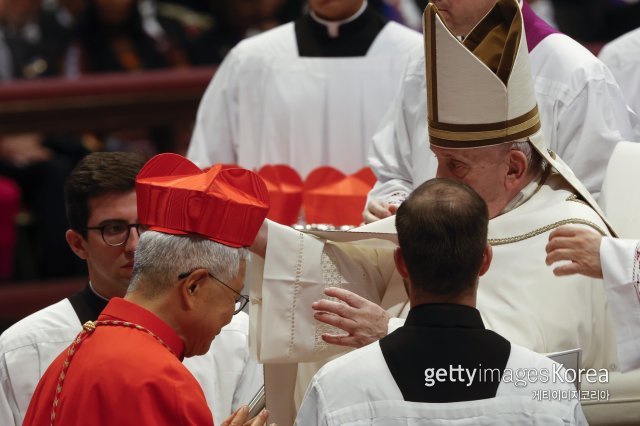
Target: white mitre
x=480, y=90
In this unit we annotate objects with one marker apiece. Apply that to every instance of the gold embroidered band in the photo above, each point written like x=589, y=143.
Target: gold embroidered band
x=430, y=54
x=478, y=135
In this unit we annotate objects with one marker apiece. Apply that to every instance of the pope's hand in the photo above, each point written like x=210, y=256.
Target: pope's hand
x=362, y=320
x=239, y=418
x=580, y=246
x=378, y=209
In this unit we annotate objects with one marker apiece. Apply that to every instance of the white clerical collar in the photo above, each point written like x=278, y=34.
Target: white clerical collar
x=96, y=293
x=333, y=27
x=526, y=192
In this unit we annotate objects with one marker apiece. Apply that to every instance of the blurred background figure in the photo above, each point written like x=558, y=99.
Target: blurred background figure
x=123, y=36
x=111, y=36
x=231, y=22
x=33, y=41
x=9, y=204
x=209, y=30
x=308, y=93
x=23, y=50
x=622, y=56
x=58, y=20
x=596, y=20
x=405, y=12
x=272, y=13
x=39, y=165
x=35, y=36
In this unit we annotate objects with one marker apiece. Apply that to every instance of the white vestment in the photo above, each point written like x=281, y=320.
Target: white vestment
x=622, y=56
x=358, y=389
x=268, y=105
x=227, y=374
x=582, y=110
x=519, y=297
x=620, y=260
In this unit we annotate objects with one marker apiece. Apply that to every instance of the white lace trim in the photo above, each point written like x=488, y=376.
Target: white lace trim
x=331, y=277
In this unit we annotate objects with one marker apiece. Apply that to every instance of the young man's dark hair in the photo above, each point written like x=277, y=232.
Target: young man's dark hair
x=442, y=231
x=95, y=175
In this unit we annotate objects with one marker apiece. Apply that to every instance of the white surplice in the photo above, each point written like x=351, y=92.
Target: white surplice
x=620, y=260
x=268, y=105
x=582, y=110
x=358, y=389
x=227, y=374
x=622, y=56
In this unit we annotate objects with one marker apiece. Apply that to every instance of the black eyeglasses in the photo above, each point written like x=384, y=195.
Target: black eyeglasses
x=241, y=300
x=116, y=233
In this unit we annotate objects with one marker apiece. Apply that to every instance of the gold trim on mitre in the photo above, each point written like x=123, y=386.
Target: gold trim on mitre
x=495, y=44
x=477, y=135
x=473, y=85
x=430, y=59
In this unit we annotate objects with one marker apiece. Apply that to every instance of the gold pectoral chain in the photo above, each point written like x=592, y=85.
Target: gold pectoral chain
x=535, y=232
x=576, y=199
x=87, y=329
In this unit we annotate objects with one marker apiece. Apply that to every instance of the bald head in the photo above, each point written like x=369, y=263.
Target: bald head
x=442, y=232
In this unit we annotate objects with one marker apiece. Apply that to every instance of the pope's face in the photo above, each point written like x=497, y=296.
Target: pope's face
x=109, y=267
x=462, y=15
x=335, y=10
x=483, y=169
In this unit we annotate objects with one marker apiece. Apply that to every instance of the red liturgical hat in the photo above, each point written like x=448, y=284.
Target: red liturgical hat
x=330, y=197
x=226, y=205
x=285, y=191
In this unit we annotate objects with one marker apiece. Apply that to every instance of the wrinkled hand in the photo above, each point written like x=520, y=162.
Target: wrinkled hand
x=23, y=149
x=239, y=418
x=580, y=246
x=378, y=209
x=364, y=321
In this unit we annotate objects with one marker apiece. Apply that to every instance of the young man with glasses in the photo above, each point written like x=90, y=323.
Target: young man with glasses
x=104, y=231
x=131, y=357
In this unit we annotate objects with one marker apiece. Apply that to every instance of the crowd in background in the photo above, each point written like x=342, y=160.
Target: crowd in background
x=70, y=38
x=73, y=37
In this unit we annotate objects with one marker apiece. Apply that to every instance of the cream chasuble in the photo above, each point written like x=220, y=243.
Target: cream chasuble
x=519, y=297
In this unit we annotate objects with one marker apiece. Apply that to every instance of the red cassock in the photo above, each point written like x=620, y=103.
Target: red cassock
x=121, y=375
